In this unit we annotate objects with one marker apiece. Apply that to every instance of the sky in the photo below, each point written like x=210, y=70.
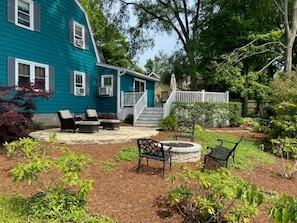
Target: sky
x=163, y=43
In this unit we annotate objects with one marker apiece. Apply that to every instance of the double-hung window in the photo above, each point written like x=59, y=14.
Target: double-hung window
x=28, y=72
x=79, y=35
x=79, y=83
x=24, y=13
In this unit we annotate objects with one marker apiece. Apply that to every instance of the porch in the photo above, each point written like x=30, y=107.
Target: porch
x=144, y=115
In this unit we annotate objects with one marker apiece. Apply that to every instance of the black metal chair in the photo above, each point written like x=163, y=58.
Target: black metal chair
x=222, y=152
x=151, y=149
x=67, y=121
x=184, y=129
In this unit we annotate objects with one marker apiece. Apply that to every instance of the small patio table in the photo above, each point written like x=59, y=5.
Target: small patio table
x=88, y=126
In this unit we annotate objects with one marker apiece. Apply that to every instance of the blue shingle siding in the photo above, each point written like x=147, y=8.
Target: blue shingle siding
x=49, y=44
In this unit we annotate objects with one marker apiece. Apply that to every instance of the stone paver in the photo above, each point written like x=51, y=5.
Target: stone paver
x=103, y=136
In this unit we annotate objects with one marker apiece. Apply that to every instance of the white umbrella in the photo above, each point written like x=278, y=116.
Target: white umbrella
x=172, y=83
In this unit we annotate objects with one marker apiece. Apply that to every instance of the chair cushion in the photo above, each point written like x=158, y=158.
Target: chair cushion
x=91, y=113
x=65, y=114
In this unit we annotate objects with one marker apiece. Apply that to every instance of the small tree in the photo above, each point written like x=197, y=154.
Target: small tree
x=16, y=110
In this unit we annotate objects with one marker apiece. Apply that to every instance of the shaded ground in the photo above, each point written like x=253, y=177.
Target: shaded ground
x=128, y=197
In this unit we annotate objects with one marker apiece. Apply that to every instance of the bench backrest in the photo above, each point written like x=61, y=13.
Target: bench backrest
x=184, y=129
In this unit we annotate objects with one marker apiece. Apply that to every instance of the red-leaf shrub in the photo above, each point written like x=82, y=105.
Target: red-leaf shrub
x=16, y=110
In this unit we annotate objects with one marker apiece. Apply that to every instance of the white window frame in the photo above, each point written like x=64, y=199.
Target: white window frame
x=141, y=81
x=31, y=14
x=79, y=88
x=32, y=66
x=111, y=80
x=79, y=40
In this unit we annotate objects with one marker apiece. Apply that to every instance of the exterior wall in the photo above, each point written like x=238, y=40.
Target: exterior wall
x=106, y=103
x=51, y=46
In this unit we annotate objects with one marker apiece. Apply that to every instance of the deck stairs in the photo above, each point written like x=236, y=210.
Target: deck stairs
x=150, y=117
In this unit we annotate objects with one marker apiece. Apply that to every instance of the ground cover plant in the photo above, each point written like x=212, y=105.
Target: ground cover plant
x=125, y=196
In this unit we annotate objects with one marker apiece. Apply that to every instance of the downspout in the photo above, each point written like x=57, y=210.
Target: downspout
x=120, y=73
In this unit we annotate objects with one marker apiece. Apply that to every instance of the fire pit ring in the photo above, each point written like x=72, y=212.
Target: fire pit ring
x=183, y=151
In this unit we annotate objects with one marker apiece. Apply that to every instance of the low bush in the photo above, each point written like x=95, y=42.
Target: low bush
x=214, y=196
x=168, y=123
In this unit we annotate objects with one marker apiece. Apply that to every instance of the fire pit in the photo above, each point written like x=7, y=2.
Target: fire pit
x=183, y=151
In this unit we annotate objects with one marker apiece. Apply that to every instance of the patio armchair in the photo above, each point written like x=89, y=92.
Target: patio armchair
x=151, y=149
x=67, y=121
x=222, y=152
x=92, y=115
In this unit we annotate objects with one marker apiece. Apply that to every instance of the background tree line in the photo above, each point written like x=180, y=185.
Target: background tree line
x=234, y=45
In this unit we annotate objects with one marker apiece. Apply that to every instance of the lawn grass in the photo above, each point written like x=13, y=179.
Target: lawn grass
x=246, y=154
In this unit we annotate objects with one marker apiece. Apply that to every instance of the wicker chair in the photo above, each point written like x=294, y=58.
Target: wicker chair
x=67, y=121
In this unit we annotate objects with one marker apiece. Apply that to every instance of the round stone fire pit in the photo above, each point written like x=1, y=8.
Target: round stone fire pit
x=183, y=151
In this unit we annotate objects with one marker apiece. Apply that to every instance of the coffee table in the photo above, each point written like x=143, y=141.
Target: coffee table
x=88, y=126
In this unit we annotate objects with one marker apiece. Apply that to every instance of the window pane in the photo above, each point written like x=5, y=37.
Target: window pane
x=78, y=31
x=39, y=78
x=24, y=69
x=24, y=13
x=107, y=81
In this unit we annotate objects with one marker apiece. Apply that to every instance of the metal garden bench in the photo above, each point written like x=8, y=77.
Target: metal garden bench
x=151, y=149
x=184, y=129
x=222, y=152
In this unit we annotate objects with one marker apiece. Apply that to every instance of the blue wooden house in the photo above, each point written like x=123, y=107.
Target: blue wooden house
x=50, y=44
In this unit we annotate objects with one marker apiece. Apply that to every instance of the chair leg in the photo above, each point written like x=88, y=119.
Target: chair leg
x=139, y=162
x=164, y=168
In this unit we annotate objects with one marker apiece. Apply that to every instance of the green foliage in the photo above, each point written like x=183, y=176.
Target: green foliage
x=16, y=209
x=214, y=196
x=62, y=193
x=284, y=209
x=108, y=165
x=282, y=106
x=129, y=119
x=246, y=153
x=168, y=123
x=127, y=153
x=286, y=148
x=208, y=114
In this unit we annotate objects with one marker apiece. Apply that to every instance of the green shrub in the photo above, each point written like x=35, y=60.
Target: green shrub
x=168, y=123
x=62, y=193
x=214, y=196
x=129, y=119
x=109, y=165
x=208, y=114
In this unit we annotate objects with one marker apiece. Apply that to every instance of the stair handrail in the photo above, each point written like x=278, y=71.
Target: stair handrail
x=139, y=106
x=168, y=104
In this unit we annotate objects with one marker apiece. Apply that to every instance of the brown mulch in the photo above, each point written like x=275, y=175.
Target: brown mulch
x=128, y=197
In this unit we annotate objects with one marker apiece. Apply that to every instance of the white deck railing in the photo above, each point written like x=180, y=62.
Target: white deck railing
x=129, y=99
x=194, y=96
x=140, y=105
x=138, y=100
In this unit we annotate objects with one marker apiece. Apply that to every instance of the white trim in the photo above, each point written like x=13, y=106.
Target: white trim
x=102, y=85
x=79, y=90
x=141, y=81
x=31, y=14
x=79, y=42
x=90, y=30
x=32, y=71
